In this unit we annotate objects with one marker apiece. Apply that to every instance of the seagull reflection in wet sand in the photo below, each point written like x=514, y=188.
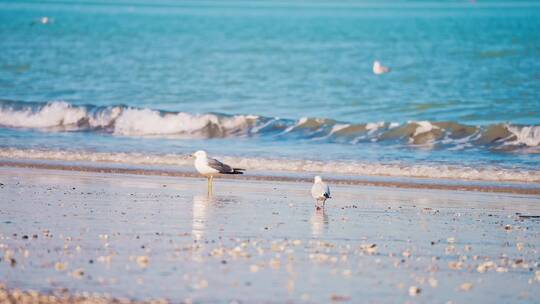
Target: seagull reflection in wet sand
x=201, y=203
x=319, y=222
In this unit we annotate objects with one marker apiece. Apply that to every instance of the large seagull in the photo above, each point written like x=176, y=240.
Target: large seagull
x=209, y=167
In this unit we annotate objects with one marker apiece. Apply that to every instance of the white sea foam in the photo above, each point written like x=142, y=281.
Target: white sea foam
x=288, y=165
x=529, y=136
x=338, y=127
x=149, y=122
x=54, y=114
x=374, y=126
x=104, y=118
x=423, y=127
x=124, y=121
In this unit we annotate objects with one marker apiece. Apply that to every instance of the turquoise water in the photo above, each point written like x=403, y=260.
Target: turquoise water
x=276, y=80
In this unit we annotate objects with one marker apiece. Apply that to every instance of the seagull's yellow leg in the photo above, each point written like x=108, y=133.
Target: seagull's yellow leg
x=211, y=183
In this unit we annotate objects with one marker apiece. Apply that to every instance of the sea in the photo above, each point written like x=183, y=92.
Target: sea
x=276, y=86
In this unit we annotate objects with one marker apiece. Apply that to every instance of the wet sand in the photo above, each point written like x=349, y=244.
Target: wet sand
x=143, y=237
x=379, y=181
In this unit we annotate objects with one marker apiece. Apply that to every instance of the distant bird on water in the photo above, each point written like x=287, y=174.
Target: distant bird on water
x=379, y=69
x=209, y=167
x=42, y=20
x=320, y=192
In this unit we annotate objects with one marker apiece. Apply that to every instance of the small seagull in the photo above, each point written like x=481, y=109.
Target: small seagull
x=320, y=192
x=209, y=167
x=379, y=69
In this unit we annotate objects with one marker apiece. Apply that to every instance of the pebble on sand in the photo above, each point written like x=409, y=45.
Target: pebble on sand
x=339, y=298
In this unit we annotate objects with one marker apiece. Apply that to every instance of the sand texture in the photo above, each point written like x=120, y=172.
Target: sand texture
x=122, y=236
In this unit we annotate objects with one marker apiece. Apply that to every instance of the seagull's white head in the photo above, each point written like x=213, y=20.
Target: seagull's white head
x=200, y=154
x=318, y=179
x=376, y=64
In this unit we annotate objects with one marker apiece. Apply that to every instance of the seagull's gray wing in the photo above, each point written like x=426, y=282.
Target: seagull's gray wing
x=221, y=167
x=327, y=191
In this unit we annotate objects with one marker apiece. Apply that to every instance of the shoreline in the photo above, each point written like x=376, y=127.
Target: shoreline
x=411, y=183
x=287, y=166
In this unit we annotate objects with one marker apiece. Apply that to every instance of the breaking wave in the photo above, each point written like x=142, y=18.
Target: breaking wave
x=61, y=116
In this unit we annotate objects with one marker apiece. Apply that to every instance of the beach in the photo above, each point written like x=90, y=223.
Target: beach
x=422, y=116
x=147, y=237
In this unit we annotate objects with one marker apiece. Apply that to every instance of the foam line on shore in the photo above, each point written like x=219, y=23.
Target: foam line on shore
x=409, y=184
x=354, y=168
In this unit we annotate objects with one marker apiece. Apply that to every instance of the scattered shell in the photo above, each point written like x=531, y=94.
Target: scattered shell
x=78, y=273
x=455, y=265
x=275, y=263
x=254, y=268
x=414, y=291
x=60, y=266
x=466, y=286
x=407, y=253
x=485, y=266
x=143, y=261
x=200, y=284
x=369, y=248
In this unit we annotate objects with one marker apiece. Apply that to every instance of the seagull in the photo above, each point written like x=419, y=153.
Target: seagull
x=379, y=69
x=42, y=20
x=209, y=167
x=320, y=191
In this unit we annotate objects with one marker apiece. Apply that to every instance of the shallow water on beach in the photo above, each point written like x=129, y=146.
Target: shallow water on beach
x=156, y=237
x=277, y=83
